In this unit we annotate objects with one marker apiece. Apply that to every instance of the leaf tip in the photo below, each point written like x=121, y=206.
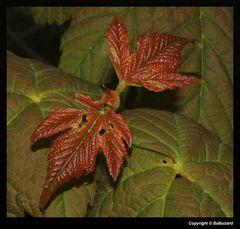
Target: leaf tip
x=196, y=80
x=33, y=139
x=115, y=174
x=36, y=136
x=117, y=19
x=43, y=203
x=192, y=80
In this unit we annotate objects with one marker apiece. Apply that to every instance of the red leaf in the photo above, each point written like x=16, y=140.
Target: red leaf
x=119, y=46
x=86, y=101
x=111, y=98
x=155, y=62
x=71, y=155
x=74, y=152
x=161, y=81
x=158, y=51
x=115, y=131
x=59, y=120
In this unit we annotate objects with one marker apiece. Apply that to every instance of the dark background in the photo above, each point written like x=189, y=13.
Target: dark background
x=27, y=39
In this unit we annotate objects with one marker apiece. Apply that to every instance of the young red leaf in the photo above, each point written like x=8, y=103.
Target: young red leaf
x=119, y=46
x=74, y=152
x=111, y=99
x=115, y=130
x=158, y=51
x=86, y=101
x=59, y=120
x=155, y=62
x=161, y=81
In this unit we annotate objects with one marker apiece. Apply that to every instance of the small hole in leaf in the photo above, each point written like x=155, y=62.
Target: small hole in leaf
x=84, y=118
x=178, y=176
x=101, y=132
x=165, y=162
x=110, y=127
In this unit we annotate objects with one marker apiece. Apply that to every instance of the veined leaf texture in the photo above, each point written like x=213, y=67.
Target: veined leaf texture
x=74, y=152
x=35, y=90
x=155, y=62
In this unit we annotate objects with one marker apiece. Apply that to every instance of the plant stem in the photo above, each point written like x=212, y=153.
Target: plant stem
x=121, y=86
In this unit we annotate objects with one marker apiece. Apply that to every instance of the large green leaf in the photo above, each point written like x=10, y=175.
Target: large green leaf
x=85, y=54
x=34, y=90
x=210, y=104
x=50, y=15
x=84, y=45
x=199, y=183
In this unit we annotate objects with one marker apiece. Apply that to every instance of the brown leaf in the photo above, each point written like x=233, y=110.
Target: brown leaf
x=115, y=131
x=59, y=120
x=74, y=152
x=119, y=46
x=155, y=62
x=161, y=81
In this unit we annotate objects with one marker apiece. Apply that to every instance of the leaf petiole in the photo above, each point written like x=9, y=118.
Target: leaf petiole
x=121, y=86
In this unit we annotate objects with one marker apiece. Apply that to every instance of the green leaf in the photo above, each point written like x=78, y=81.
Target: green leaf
x=85, y=54
x=211, y=103
x=14, y=210
x=198, y=184
x=73, y=202
x=50, y=15
x=33, y=90
x=84, y=44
